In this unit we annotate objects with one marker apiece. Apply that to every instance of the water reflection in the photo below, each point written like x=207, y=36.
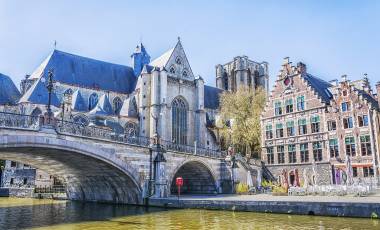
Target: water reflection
x=48, y=214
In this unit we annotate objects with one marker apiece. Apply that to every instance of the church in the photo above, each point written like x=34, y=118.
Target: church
x=161, y=95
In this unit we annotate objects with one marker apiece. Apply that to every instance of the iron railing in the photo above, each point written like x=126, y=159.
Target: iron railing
x=14, y=120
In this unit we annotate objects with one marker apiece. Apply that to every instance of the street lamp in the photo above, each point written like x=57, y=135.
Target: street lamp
x=49, y=87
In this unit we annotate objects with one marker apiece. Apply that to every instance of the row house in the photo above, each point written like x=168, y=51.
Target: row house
x=310, y=126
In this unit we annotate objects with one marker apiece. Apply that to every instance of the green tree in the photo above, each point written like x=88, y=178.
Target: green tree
x=239, y=121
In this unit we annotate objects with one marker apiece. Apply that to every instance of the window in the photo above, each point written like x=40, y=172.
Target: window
x=279, y=131
x=68, y=92
x=292, y=153
x=281, y=154
x=179, y=121
x=365, y=144
x=13, y=164
x=25, y=181
x=331, y=125
x=117, y=104
x=277, y=108
x=314, y=124
x=355, y=171
x=302, y=128
x=317, y=151
x=334, y=148
x=289, y=105
x=301, y=103
x=172, y=70
x=363, y=120
x=92, y=101
x=346, y=106
x=12, y=181
x=350, y=146
x=270, y=155
x=131, y=129
x=348, y=123
x=304, y=152
x=344, y=92
x=290, y=128
x=368, y=171
x=178, y=60
x=268, y=131
x=184, y=74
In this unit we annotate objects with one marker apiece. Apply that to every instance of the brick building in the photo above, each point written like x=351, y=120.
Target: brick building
x=310, y=126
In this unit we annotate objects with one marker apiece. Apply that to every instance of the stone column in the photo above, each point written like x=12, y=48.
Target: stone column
x=160, y=182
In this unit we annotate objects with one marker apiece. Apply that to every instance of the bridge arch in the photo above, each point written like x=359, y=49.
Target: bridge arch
x=198, y=176
x=90, y=172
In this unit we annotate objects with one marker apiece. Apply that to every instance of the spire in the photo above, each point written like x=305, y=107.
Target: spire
x=139, y=58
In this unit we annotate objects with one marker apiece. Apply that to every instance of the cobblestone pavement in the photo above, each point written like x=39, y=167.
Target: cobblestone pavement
x=375, y=198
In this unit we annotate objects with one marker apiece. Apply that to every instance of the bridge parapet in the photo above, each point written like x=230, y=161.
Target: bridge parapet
x=21, y=121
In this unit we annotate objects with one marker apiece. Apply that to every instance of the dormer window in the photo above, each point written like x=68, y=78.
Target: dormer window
x=178, y=60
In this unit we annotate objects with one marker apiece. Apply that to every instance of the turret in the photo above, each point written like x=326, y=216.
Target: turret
x=139, y=58
x=219, y=76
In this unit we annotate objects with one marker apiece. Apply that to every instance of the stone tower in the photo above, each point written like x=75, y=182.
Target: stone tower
x=242, y=71
x=139, y=58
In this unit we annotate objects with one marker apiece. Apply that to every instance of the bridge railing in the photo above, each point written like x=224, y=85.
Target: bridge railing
x=168, y=145
x=14, y=120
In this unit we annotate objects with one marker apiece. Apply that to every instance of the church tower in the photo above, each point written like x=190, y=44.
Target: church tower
x=139, y=58
x=242, y=71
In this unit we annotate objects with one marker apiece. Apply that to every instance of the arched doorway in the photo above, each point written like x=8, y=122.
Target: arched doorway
x=197, y=179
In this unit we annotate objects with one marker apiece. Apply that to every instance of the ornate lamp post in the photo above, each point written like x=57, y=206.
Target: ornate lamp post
x=49, y=87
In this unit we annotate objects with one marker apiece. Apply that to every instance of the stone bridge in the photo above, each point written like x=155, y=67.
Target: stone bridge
x=97, y=165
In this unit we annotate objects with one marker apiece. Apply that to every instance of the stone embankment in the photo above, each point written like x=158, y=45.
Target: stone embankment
x=368, y=207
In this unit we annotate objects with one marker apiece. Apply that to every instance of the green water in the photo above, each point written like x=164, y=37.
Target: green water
x=17, y=213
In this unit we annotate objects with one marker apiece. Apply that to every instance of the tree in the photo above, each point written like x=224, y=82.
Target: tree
x=239, y=121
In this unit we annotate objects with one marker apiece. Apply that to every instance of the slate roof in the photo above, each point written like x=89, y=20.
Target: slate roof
x=211, y=97
x=320, y=86
x=9, y=93
x=103, y=107
x=77, y=102
x=86, y=72
x=38, y=94
x=369, y=98
x=163, y=59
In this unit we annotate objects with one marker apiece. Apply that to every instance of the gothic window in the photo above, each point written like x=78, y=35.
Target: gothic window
x=172, y=70
x=179, y=121
x=81, y=119
x=178, y=60
x=131, y=129
x=225, y=79
x=117, y=103
x=92, y=101
x=34, y=115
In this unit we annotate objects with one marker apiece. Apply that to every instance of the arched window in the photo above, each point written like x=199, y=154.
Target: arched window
x=117, y=104
x=131, y=129
x=92, y=101
x=81, y=119
x=34, y=115
x=179, y=121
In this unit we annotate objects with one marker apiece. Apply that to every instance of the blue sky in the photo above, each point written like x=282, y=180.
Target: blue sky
x=331, y=37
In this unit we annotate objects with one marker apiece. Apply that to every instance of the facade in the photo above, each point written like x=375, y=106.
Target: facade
x=321, y=132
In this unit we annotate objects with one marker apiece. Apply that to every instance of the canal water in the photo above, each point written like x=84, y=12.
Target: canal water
x=18, y=213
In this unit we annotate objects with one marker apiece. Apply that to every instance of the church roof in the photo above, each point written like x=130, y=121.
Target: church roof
x=103, y=108
x=77, y=101
x=86, y=72
x=320, y=86
x=211, y=97
x=163, y=59
x=38, y=94
x=9, y=93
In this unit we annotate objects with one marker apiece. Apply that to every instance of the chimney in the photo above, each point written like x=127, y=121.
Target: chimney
x=301, y=67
